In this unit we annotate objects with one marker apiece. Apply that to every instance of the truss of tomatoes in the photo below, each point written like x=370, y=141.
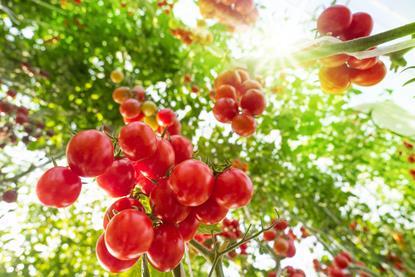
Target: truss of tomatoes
x=238, y=99
x=338, y=72
x=183, y=192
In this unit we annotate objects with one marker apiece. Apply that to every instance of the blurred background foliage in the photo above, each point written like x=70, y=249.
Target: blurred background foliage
x=319, y=163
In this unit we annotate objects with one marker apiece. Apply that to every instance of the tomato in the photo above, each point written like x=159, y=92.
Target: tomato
x=225, y=110
x=244, y=124
x=21, y=118
x=244, y=7
x=130, y=108
x=280, y=224
x=341, y=262
x=369, y=77
x=120, y=205
x=89, y=153
x=139, y=117
x=139, y=93
x=58, y=187
x=333, y=271
x=210, y=212
x=152, y=122
x=291, y=248
x=281, y=246
x=188, y=227
x=361, y=26
x=167, y=249
x=137, y=141
x=334, y=61
x=108, y=262
x=117, y=76
x=119, y=95
x=149, y=108
x=243, y=74
x=164, y=204
x=119, y=179
x=248, y=85
x=166, y=117
x=269, y=235
x=233, y=189
x=225, y=91
x=12, y=93
x=230, y=77
x=183, y=148
x=129, y=234
x=334, y=20
x=192, y=181
x=362, y=64
x=253, y=102
x=175, y=128
x=160, y=162
x=145, y=183
x=9, y=196
x=6, y=107
x=334, y=80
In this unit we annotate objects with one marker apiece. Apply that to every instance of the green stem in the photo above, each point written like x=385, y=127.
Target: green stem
x=219, y=268
x=145, y=270
x=355, y=45
x=202, y=250
x=179, y=271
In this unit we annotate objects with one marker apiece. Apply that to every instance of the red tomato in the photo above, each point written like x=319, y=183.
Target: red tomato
x=188, y=227
x=130, y=108
x=335, y=61
x=160, y=162
x=225, y=110
x=244, y=124
x=58, y=187
x=139, y=117
x=281, y=246
x=129, y=234
x=210, y=212
x=334, y=80
x=230, y=77
x=183, y=148
x=89, y=153
x=120, y=205
x=137, y=141
x=269, y=235
x=253, y=102
x=233, y=189
x=119, y=179
x=244, y=7
x=167, y=249
x=369, y=77
x=248, y=85
x=108, y=262
x=334, y=20
x=192, y=181
x=9, y=196
x=361, y=26
x=165, y=205
x=291, y=248
x=280, y=224
x=145, y=183
x=335, y=272
x=341, y=262
x=362, y=64
x=243, y=74
x=139, y=93
x=121, y=94
x=175, y=128
x=225, y=91
x=166, y=117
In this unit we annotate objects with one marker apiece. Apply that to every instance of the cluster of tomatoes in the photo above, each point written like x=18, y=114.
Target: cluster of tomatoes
x=189, y=36
x=232, y=13
x=238, y=100
x=166, y=6
x=338, y=267
x=338, y=72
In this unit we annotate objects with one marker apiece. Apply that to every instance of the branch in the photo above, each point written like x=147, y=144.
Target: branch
x=202, y=250
x=179, y=271
x=145, y=271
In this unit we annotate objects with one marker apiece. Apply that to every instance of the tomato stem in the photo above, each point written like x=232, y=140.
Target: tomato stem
x=145, y=270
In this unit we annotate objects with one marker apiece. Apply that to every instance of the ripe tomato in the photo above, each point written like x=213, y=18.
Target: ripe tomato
x=183, y=148
x=362, y=64
x=334, y=20
x=145, y=183
x=248, y=85
x=225, y=91
x=120, y=205
x=119, y=95
x=334, y=80
x=58, y=187
x=333, y=271
x=192, y=181
x=160, y=162
x=341, y=262
x=139, y=93
x=175, y=128
x=129, y=234
x=130, y=108
x=108, y=262
x=253, y=102
x=225, y=110
x=188, y=227
x=244, y=7
x=291, y=248
x=243, y=74
x=230, y=77
x=361, y=26
x=139, y=117
x=244, y=124
x=167, y=249
x=137, y=141
x=269, y=235
x=119, y=179
x=210, y=212
x=164, y=204
x=9, y=196
x=149, y=108
x=281, y=246
x=280, y=224
x=233, y=189
x=335, y=61
x=89, y=153
x=166, y=117
x=369, y=77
